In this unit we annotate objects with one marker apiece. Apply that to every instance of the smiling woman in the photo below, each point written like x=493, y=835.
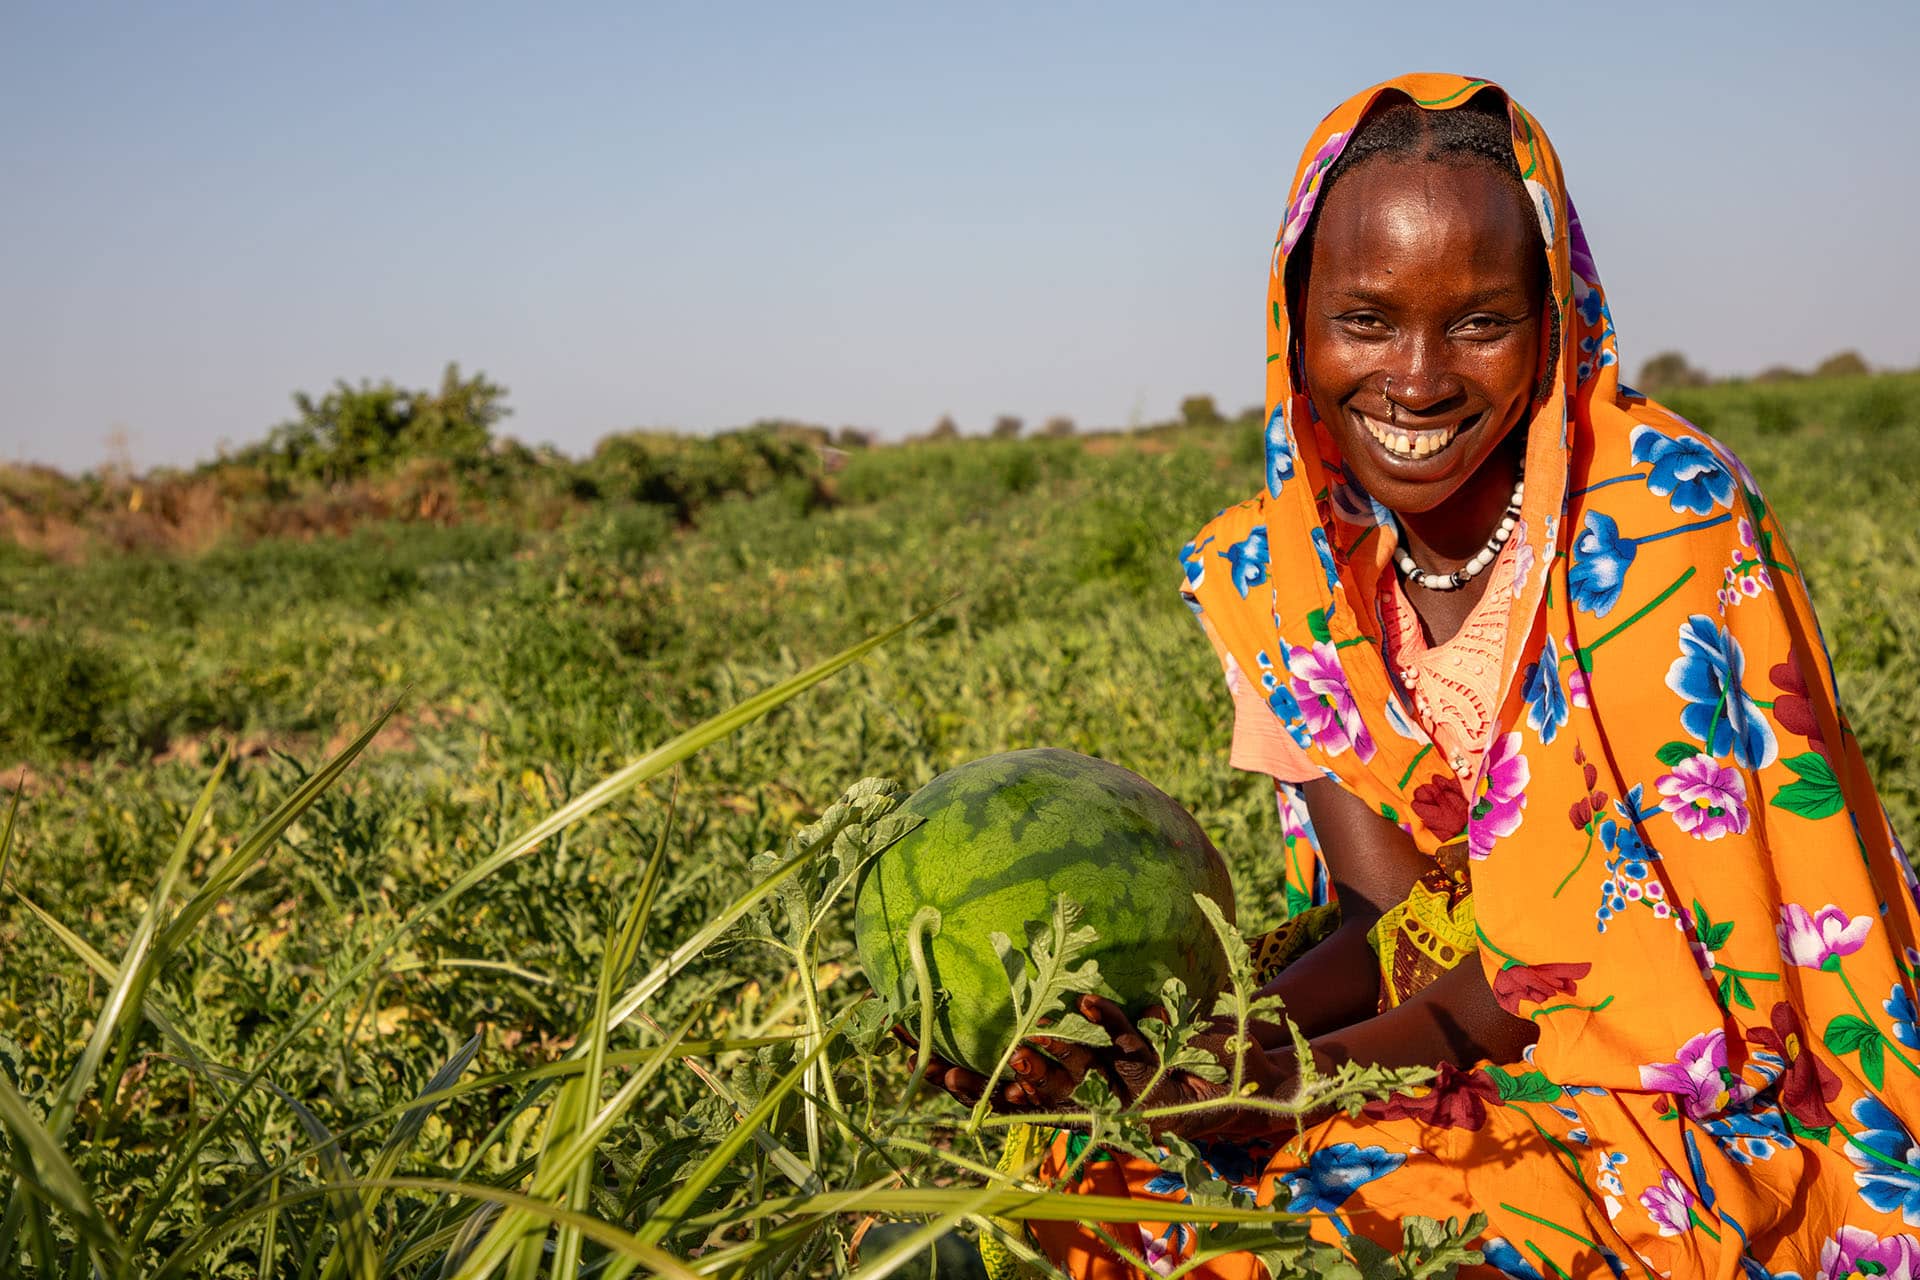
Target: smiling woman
x=1583, y=830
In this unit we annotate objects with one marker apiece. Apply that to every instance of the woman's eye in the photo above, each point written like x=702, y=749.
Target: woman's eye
x=1363, y=323
x=1485, y=324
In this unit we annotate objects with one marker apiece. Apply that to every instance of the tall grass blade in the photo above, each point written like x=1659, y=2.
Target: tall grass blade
x=414, y=1119
x=646, y=767
x=136, y=970
x=506, y=1234
x=55, y=1181
x=681, y=1201
x=622, y=1243
x=585, y=1089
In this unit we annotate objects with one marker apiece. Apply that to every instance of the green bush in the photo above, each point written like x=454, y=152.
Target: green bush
x=352, y=433
x=62, y=693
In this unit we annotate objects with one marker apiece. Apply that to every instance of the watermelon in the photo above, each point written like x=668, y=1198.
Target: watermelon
x=1006, y=835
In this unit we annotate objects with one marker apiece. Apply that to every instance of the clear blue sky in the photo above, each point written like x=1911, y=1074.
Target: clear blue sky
x=697, y=215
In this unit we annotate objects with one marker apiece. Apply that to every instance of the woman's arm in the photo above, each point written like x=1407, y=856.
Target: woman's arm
x=1373, y=866
x=1453, y=1019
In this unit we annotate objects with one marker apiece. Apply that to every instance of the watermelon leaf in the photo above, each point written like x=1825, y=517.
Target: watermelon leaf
x=1042, y=981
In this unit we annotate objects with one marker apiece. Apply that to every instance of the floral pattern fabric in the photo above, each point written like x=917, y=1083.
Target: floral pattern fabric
x=1680, y=869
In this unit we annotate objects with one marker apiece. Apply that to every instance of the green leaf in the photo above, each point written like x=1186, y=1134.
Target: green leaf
x=1042, y=980
x=1297, y=900
x=1819, y=1135
x=1817, y=793
x=1847, y=1034
x=1528, y=1086
x=1317, y=624
x=1675, y=753
x=1739, y=992
x=1873, y=1057
x=1390, y=813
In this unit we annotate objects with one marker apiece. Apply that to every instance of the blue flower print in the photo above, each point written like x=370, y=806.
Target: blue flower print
x=1334, y=1172
x=1899, y=1007
x=1281, y=701
x=1355, y=505
x=1601, y=558
x=1547, y=706
x=1247, y=561
x=1504, y=1258
x=1719, y=712
x=1884, y=1156
x=1688, y=474
x=1324, y=550
x=1747, y=1136
x=1164, y=1183
x=1591, y=302
x=1192, y=563
x=1279, y=450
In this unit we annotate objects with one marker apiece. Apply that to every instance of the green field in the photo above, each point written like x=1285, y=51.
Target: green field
x=531, y=658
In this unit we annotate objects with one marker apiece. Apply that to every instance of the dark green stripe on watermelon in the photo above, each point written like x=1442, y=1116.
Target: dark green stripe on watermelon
x=1006, y=835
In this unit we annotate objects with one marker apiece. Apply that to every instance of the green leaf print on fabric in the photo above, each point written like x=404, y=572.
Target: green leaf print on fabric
x=1675, y=753
x=1847, y=1034
x=1528, y=1086
x=1816, y=794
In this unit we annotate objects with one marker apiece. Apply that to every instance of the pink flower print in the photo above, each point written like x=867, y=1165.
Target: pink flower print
x=1577, y=690
x=1708, y=799
x=1855, y=1251
x=1300, y=210
x=1499, y=796
x=1326, y=703
x=1669, y=1204
x=1696, y=1076
x=1161, y=1252
x=1818, y=941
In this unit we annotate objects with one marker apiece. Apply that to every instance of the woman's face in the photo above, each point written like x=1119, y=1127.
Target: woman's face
x=1425, y=287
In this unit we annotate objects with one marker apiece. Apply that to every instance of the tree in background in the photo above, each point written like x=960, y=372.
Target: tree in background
x=1199, y=411
x=1843, y=364
x=354, y=432
x=945, y=429
x=1007, y=427
x=1057, y=426
x=1669, y=371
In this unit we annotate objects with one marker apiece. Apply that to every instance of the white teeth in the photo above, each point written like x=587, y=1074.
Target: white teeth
x=1409, y=445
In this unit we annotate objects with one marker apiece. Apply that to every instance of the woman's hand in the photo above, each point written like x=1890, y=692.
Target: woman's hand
x=1045, y=1072
x=1037, y=1084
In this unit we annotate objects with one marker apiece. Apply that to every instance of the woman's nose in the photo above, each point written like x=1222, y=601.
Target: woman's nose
x=1416, y=381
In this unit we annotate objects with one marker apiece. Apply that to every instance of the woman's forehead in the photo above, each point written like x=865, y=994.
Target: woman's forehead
x=1402, y=213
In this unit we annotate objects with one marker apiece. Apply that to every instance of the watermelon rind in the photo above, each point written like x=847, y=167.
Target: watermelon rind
x=1002, y=838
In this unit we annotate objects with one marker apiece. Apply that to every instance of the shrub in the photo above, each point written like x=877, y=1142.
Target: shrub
x=1199, y=411
x=1007, y=427
x=60, y=693
x=354, y=432
x=1842, y=364
x=1668, y=371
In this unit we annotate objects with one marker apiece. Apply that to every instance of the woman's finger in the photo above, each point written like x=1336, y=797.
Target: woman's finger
x=963, y=1084
x=1047, y=1082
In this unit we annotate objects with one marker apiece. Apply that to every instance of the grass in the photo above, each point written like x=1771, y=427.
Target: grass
x=484, y=982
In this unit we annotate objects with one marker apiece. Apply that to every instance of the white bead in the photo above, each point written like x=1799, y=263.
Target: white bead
x=1501, y=535
x=1506, y=523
